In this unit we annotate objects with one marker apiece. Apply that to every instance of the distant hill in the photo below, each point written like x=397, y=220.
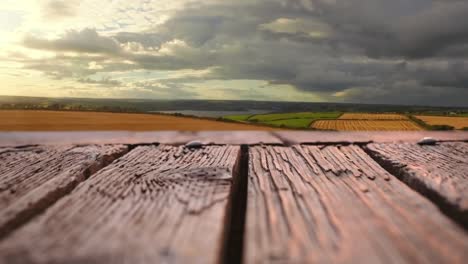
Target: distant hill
x=141, y=105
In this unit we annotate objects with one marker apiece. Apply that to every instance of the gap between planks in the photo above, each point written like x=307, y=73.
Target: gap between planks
x=234, y=228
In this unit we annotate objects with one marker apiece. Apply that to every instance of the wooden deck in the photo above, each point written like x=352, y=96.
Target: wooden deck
x=251, y=197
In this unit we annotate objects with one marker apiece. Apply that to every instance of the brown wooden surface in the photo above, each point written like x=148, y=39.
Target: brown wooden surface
x=154, y=205
x=331, y=204
x=238, y=137
x=301, y=137
x=216, y=137
x=439, y=171
x=322, y=202
x=125, y=137
x=32, y=178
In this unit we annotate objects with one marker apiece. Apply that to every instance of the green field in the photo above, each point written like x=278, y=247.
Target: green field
x=301, y=115
x=291, y=123
x=239, y=118
x=287, y=120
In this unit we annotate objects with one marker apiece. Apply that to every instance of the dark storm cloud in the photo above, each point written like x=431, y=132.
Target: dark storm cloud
x=454, y=74
x=402, y=28
x=409, y=93
x=372, y=49
x=434, y=31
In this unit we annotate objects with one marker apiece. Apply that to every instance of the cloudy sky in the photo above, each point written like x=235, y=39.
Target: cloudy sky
x=367, y=51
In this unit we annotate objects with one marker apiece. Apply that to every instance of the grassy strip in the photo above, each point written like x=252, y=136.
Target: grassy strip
x=238, y=118
x=429, y=127
x=462, y=114
x=300, y=115
x=298, y=123
x=300, y=120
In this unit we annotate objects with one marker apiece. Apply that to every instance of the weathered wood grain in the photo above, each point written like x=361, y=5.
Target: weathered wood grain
x=154, y=205
x=125, y=137
x=334, y=204
x=238, y=137
x=225, y=137
x=94, y=137
x=439, y=172
x=33, y=178
x=303, y=137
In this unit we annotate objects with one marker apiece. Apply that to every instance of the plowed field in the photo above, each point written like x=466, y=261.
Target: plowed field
x=456, y=122
x=367, y=116
x=366, y=125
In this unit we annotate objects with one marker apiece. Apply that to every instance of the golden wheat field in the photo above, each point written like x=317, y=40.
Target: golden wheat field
x=367, y=116
x=366, y=125
x=456, y=122
x=20, y=120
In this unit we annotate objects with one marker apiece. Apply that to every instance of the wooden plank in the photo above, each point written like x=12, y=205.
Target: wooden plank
x=304, y=137
x=33, y=178
x=226, y=137
x=154, y=205
x=238, y=137
x=334, y=204
x=123, y=137
x=439, y=172
x=94, y=137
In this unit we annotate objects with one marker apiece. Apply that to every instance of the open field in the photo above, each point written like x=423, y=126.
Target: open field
x=456, y=122
x=290, y=123
x=366, y=125
x=23, y=120
x=368, y=116
x=287, y=120
x=238, y=118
